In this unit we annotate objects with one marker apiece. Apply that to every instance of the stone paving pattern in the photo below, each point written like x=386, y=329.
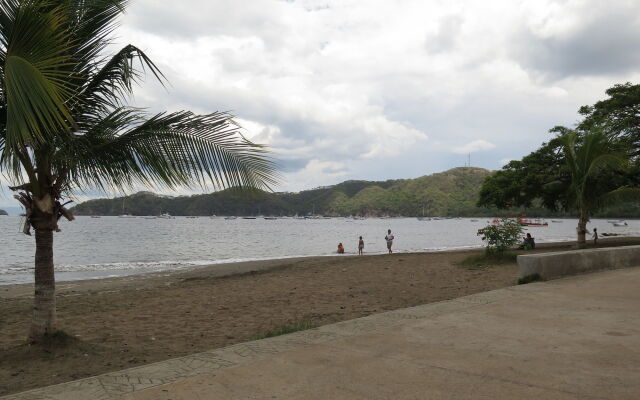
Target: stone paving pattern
x=574, y=338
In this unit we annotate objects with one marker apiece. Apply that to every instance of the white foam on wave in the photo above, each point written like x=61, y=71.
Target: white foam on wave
x=143, y=266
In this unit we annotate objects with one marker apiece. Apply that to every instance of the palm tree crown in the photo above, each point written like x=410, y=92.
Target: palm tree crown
x=587, y=157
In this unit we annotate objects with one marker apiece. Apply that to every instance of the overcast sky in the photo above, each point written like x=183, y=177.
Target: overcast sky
x=380, y=89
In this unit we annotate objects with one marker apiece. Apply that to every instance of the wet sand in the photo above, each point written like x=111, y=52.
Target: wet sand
x=123, y=322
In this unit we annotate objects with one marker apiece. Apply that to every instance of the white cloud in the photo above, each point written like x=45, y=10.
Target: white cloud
x=474, y=146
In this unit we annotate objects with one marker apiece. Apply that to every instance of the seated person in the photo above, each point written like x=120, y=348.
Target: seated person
x=528, y=243
x=340, y=248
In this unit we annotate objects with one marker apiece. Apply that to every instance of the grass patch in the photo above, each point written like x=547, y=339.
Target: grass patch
x=484, y=260
x=285, y=329
x=530, y=278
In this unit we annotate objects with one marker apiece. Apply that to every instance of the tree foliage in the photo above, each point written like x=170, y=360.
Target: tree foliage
x=548, y=178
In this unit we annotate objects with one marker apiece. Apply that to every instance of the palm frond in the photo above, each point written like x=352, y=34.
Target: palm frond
x=113, y=82
x=36, y=71
x=167, y=150
x=621, y=195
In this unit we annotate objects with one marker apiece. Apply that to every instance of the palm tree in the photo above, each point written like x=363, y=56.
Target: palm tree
x=587, y=157
x=65, y=126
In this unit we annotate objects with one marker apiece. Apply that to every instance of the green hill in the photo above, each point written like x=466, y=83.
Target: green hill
x=452, y=192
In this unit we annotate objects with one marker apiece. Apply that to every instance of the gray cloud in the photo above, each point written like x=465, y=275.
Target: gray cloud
x=446, y=36
x=603, y=41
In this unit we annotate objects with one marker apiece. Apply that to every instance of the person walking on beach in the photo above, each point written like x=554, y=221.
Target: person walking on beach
x=389, y=239
x=360, y=246
x=595, y=236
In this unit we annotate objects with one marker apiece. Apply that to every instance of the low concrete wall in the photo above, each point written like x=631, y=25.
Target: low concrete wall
x=557, y=264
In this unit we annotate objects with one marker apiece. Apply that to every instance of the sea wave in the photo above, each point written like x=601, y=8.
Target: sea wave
x=149, y=266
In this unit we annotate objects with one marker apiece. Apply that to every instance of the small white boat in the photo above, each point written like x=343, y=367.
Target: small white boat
x=166, y=216
x=620, y=223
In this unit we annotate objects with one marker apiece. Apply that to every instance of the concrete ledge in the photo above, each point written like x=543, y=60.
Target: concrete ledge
x=558, y=264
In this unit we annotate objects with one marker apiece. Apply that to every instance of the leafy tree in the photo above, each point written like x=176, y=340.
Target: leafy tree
x=521, y=182
x=619, y=115
x=65, y=125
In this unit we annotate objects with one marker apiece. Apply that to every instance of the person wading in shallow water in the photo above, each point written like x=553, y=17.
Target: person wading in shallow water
x=360, y=246
x=389, y=239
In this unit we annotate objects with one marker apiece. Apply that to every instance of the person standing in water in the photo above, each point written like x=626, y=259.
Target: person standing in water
x=340, y=248
x=360, y=246
x=595, y=236
x=389, y=239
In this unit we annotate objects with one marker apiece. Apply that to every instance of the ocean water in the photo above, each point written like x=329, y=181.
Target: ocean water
x=90, y=248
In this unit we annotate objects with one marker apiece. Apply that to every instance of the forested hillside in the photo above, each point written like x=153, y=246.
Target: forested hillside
x=453, y=192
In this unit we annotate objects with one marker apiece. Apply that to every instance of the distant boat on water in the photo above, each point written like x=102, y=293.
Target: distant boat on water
x=95, y=216
x=619, y=223
x=537, y=222
x=248, y=217
x=166, y=216
x=270, y=218
x=231, y=217
x=557, y=220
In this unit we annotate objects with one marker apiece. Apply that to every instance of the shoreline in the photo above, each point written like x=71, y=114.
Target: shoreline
x=229, y=269
x=123, y=322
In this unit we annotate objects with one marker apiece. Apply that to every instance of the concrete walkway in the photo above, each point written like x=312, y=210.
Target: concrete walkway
x=574, y=338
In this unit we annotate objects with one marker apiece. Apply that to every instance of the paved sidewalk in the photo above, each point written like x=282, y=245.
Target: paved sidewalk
x=574, y=338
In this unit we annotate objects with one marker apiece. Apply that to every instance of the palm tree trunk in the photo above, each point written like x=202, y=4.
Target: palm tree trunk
x=582, y=230
x=44, y=302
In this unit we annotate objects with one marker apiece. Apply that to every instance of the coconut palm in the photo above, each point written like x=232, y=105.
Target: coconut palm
x=588, y=157
x=65, y=126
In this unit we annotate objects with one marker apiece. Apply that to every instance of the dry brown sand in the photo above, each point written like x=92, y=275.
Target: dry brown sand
x=124, y=322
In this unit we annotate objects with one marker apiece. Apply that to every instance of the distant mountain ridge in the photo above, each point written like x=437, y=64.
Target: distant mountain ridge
x=449, y=193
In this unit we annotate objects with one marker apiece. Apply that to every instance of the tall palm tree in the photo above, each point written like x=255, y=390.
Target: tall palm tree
x=587, y=157
x=65, y=125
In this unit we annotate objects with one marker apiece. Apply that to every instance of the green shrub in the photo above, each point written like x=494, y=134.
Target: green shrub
x=501, y=235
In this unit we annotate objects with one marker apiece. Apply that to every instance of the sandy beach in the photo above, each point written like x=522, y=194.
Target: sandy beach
x=123, y=322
